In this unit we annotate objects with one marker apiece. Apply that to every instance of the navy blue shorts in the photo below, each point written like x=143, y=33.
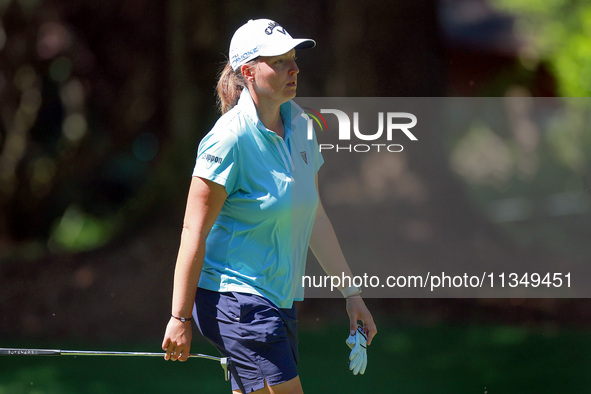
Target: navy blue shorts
x=260, y=338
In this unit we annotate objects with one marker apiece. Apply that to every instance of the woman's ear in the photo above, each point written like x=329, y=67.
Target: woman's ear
x=247, y=72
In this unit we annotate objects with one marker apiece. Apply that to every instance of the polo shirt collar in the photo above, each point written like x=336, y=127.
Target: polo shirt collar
x=289, y=110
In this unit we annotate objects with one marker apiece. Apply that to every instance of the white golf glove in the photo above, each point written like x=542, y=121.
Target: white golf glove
x=358, y=355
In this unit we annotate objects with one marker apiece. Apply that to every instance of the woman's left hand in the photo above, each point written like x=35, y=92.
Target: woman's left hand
x=358, y=311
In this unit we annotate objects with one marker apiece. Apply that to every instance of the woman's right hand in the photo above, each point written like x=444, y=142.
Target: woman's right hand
x=177, y=340
x=204, y=203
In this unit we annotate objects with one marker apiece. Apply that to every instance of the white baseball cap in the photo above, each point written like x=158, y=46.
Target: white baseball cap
x=262, y=37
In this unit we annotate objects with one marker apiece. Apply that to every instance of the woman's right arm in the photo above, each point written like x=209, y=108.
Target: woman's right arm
x=204, y=203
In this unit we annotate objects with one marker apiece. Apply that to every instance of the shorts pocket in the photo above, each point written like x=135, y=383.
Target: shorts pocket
x=259, y=319
x=229, y=306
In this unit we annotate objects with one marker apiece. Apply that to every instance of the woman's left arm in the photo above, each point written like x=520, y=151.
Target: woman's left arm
x=326, y=248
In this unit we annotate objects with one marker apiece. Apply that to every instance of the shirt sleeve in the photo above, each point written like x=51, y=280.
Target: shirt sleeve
x=217, y=158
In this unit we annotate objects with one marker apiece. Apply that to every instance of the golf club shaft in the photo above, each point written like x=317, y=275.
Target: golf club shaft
x=54, y=352
x=224, y=361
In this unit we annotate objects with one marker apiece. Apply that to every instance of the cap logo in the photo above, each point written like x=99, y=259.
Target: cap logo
x=273, y=25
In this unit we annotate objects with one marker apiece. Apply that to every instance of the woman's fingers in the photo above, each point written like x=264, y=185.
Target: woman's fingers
x=165, y=343
x=370, y=328
x=184, y=354
x=170, y=353
x=177, y=341
x=174, y=353
x=358, y=311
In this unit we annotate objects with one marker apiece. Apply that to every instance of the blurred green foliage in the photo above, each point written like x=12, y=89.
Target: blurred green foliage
x=526, y=163
x=79, y=231
x=558, y=32
x=81, y=125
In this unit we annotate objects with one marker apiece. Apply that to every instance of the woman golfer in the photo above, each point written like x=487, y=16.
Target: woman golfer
x=252, y=211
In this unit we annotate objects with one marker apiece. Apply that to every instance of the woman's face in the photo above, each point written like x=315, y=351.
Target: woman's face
x=274, y=78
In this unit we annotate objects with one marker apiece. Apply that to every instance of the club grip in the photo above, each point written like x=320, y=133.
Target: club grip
x=28, y=352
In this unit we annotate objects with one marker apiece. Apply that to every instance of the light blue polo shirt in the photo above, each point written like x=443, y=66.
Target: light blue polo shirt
x=259, y=242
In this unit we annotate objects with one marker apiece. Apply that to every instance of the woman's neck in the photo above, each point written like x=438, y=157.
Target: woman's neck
x=270, y=116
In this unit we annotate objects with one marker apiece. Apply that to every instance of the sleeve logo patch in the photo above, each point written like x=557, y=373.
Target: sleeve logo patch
x=212, y=158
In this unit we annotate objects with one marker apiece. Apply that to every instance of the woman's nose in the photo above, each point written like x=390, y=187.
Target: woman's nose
x=294, y=68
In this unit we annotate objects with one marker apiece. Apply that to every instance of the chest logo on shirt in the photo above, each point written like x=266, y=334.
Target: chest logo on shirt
x=304, y=157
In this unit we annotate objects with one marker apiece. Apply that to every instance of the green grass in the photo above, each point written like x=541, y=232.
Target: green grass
x=448, y=359
x=403, y=359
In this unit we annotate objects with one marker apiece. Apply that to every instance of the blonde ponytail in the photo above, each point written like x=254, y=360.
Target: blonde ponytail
x=230, y=85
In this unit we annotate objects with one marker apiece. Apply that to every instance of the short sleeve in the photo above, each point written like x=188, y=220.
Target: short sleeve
x=217, y=159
